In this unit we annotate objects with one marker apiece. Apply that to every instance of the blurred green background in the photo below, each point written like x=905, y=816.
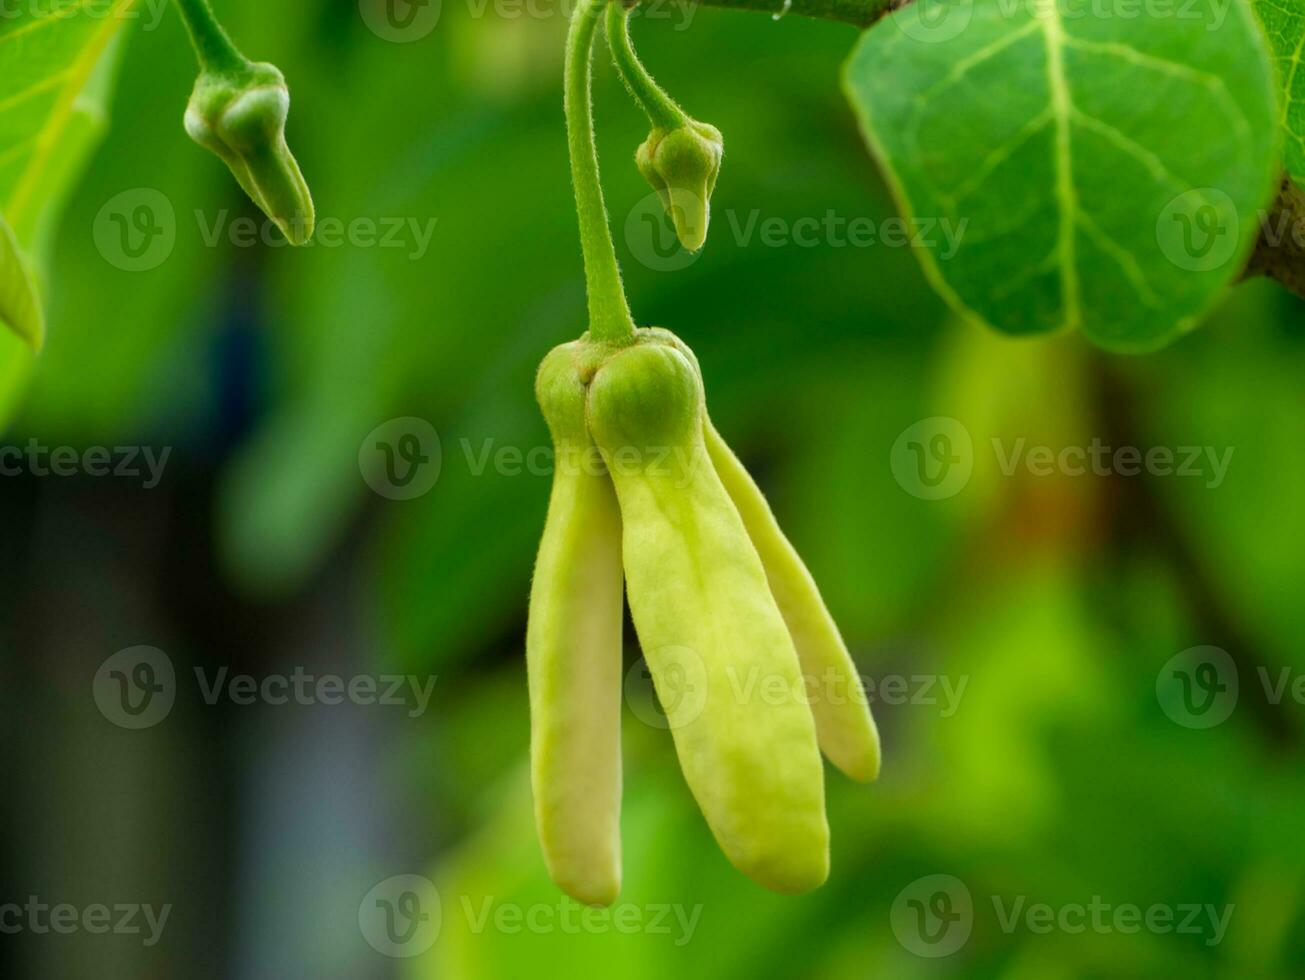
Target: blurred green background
x=1062, y=772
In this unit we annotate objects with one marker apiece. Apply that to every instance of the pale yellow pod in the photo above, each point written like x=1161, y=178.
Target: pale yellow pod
x=716, y=645
x=846, y=728
x=573, y=656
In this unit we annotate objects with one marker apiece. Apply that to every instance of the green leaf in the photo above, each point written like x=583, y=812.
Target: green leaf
x=48, y=54
x=20, y=309
x=1284, y=22
x=1108, y=169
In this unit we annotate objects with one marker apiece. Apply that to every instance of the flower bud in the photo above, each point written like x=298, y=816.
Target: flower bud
x=243, y=122
x=682, y=165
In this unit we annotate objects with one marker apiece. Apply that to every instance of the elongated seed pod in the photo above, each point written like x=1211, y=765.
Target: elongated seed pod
x=573, y=653
x=846, y=728
x=716, y=645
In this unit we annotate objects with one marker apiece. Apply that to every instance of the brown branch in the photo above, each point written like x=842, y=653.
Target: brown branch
x=1280, y=251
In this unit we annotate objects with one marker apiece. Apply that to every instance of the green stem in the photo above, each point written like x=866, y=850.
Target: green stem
x=660, y=108
x=609, y=312
x=217, y=53
x=861, y=13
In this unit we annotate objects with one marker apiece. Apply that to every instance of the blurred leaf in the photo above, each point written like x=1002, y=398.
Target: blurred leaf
x=49, y=55
x=20, y=309
x=1067, y=185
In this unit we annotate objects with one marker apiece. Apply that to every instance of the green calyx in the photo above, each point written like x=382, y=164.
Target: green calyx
x=642, y=396
x=241, y=116
x=720, y=600
x=682, y=165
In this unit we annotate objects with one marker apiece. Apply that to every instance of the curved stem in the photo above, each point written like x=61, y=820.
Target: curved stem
x=609, y=312
x=861, y=13
x=214, y=47
x=660, y=108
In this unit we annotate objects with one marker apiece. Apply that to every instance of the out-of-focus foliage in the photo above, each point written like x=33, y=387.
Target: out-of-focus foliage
x=1050, y=603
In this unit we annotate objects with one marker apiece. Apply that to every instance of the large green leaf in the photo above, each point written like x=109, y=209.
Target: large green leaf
x=49, y=53
x=1108, y=168
x=1284, y=22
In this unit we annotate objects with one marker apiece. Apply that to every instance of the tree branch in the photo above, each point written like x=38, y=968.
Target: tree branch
x=860, y=13
x=1280, y=251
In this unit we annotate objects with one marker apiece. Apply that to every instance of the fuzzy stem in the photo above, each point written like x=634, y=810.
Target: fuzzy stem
x=214, y=47
x=609, y=311
x=659, y=107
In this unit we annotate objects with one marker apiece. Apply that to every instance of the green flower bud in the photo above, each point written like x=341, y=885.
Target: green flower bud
x=243, y=120
x=682, y=165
